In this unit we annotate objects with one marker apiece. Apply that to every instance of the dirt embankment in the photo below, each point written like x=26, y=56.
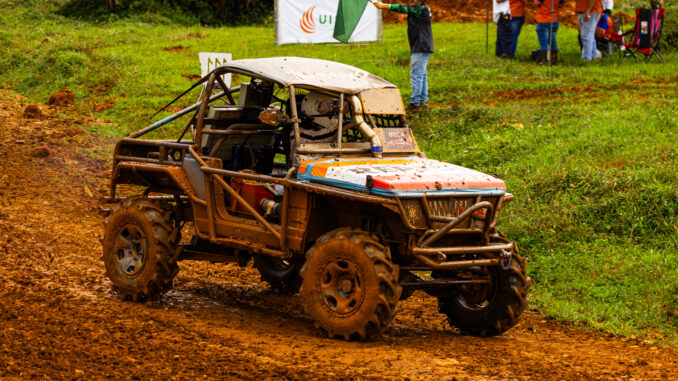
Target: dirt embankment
x=477, y=10
x=59, y=318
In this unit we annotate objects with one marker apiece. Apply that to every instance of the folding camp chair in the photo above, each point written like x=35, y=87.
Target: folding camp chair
x=646, y=35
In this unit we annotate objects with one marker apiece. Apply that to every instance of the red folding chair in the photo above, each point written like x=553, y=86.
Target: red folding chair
x=646, y=35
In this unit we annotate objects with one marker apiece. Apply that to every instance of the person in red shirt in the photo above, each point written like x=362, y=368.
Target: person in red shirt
x=517, y=21
x=588, y=12
x=544, y=19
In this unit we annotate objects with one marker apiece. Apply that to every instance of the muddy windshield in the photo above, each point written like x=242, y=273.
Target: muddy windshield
x=372, y=121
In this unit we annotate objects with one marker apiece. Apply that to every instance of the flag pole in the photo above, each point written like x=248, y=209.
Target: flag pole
x=548, y=55
x=487, y=26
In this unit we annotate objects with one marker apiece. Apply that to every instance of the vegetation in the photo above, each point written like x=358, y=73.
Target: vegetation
x=670, y=30
x=589, y=149
x=186, y=12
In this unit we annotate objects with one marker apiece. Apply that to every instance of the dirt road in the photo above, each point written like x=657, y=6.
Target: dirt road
x=59, y=318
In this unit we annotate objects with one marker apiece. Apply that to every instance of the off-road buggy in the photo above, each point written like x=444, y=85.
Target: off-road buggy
x=309, y=169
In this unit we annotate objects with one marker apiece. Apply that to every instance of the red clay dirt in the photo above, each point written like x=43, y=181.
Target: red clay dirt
x=103, y=106
x=475, y=10
x=33, y=112
x=62, y=98
x=174, y=49
x=59, y=318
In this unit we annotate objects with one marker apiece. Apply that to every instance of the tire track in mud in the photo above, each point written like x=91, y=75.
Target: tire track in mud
x=59, y=318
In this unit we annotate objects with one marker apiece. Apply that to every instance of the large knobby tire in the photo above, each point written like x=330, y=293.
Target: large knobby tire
x=492, y=309
x=350, y=286
x=281, y=274
x=140, y=249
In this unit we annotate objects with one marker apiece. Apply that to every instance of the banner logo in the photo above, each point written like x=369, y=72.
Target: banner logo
x=313, y=21
x=307, y=23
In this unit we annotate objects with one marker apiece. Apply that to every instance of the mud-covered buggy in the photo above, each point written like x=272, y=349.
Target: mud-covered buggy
x=309, y=168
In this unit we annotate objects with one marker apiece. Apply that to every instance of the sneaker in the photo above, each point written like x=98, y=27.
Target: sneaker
x=413, y=107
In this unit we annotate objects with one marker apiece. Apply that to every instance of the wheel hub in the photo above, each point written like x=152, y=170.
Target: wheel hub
x=346, y=286
x=341, y=287
x=130, y=249
x=478, y=296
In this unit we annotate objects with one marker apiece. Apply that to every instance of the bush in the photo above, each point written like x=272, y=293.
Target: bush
x=670, y=32
x=186, y=12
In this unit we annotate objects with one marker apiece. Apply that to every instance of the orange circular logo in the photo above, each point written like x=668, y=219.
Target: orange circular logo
x=306, y=22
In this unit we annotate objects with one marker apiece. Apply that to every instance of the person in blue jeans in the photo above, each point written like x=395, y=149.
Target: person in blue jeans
x=501, y=15
x=419, y=81
x=544, y=19
x=543, y=31
x=588, y=14
x=517, y=21
x=420, y=37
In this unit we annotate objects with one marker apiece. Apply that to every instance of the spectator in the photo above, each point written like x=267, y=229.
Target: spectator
x=547, y=11
x=420, y=37
x=501, y=14
x=607, y=7
x=588, y=12
x=517, y=21
x=604, y=31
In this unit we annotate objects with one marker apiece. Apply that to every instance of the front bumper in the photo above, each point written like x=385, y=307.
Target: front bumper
x=477, y=220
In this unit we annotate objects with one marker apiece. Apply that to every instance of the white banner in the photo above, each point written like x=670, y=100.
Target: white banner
x=312, y=21
x=210, y=61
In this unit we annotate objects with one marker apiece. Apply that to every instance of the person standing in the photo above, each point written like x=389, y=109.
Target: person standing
x=588, y=13
x=420, y=37
x=501, y=15
x=517, y=21
x=545, y=33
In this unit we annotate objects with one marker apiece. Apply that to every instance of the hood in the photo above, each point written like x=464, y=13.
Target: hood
x=401, y=176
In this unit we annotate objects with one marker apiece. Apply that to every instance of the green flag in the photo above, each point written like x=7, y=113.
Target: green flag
x=348, y=15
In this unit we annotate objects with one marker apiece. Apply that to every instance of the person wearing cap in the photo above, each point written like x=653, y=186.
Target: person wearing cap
x=420, y=38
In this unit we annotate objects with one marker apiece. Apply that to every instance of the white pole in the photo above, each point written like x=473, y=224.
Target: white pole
x=487, y=26
x=553, y=9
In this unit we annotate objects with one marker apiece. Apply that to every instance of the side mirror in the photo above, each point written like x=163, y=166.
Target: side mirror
x=272, y=117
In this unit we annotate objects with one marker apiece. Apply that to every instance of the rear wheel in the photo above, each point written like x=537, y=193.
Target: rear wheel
x=491, y=308
x=281, y=274
x=140, y=249
x=350, y=286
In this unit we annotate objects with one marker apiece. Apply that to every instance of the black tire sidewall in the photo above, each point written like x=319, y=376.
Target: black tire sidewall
x=285, y=280
x=502, y=312
x=484, y=316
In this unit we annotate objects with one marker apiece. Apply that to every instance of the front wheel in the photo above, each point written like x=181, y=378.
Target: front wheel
x=350, y=286
x=489, y=309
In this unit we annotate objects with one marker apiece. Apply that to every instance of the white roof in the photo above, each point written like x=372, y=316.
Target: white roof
x=309, y=72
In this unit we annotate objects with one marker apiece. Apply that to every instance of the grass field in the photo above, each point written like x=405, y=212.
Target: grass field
x=589, y=150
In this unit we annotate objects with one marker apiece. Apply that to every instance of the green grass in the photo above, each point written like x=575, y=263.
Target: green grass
x=589, y=150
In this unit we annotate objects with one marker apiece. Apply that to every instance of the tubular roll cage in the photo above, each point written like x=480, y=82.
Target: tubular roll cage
x=172, y=154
